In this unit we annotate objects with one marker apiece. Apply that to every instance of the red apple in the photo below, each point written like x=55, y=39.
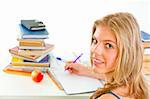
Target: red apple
x=37, y=75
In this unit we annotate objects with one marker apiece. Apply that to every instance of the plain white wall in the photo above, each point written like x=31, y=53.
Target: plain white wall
x=69, y=22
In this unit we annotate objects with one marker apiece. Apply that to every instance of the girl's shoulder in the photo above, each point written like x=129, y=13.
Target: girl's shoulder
x=109, y=95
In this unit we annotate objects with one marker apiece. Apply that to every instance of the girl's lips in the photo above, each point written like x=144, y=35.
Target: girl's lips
x=97, y=61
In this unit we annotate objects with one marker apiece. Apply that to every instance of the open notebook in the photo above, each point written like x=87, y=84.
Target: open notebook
x=71, y=83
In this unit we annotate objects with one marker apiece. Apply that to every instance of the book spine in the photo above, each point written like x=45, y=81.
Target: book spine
x=30, y=64
x=146, y=44
x=31, y=43
x=31, y=48
x=146, y=58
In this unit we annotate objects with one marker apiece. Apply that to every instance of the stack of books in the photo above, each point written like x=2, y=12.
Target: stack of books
x=32, y=52
x=146, y=45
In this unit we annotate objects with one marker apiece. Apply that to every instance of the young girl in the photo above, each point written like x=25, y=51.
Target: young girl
x=116, y=57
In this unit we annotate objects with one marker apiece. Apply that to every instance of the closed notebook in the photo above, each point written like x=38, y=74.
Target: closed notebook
x=27, y=34
x=71, y=83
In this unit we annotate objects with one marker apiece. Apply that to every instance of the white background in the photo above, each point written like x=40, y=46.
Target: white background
x=69, y=22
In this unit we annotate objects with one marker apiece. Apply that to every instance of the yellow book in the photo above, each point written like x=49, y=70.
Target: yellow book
x=15, y=59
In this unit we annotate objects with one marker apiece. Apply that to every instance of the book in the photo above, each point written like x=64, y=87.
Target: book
x=15, y=59
x=30, y=42
x=45, y=59
x=33, y=24
x=146, y=56
x=27, y=59
x=146, y=68
x=71, y=83
x=145, y=36
x=23, y=70
x=32, y=47
x=32, y=55
x=10, y=70
x=146, y=44
x=28, y=34
x=45, y=62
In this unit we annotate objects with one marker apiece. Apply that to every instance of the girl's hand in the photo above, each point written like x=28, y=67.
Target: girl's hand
x=77, y=68
x=82, y=70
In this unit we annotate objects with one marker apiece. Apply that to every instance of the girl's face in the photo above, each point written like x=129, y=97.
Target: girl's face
x=104, y=50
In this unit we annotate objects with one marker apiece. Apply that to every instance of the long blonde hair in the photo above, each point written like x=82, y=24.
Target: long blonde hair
x=130, y=57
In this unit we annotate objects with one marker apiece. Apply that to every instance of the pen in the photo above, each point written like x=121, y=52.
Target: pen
x=60, y=59
x=77, y=58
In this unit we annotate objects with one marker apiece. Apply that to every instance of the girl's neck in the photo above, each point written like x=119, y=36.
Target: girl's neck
x=108, y=77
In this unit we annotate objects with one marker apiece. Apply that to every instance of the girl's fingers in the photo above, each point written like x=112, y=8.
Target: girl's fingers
x=68, y=68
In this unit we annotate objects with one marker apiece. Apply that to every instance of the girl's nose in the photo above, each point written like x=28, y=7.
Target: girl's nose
x=98, y=49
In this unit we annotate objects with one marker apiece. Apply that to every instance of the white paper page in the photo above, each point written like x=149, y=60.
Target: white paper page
x=72, y=83
x=147, y=51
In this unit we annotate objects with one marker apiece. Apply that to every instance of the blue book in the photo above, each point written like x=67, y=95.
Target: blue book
x=46, y=59
x=28, y=34
x=145, y=36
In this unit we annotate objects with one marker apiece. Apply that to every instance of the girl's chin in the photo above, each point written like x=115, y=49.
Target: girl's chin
x=98, y=70
x=96, y=65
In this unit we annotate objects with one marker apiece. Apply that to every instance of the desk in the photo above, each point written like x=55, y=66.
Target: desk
x=18, y=86
x=15, y=85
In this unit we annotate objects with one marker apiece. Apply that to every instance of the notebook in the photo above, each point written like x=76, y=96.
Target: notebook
x=71, y=83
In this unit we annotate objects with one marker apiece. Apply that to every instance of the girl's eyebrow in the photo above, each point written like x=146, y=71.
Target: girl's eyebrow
x=93, y=37
x=110, y=41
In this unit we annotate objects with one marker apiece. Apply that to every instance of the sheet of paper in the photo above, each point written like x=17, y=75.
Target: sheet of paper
x=72, y=83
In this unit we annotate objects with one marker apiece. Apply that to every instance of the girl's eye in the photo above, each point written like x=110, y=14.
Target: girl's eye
x=94, y=41
x=109, y=45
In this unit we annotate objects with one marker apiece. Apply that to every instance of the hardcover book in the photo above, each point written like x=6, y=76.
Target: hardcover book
x=31, y=54
x=28, y=34
x=145, y=36
x=33, y=24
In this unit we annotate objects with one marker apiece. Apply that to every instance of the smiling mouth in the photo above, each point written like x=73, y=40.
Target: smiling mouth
x=97, y=62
